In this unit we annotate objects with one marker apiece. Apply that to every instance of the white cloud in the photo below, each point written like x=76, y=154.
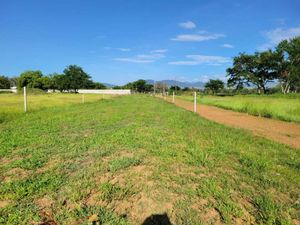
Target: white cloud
x=202, y=59
x=144, y=58
x=159, y=51
x=202, y=32
x=134, y=60
x=188, y=25
x=227, y=46
x=275, y=36
x=124, y=49
x=196, y=37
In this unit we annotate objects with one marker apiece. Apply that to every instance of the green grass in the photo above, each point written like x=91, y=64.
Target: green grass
x=282, y=107
x=126, y=158
x=122, y=163
x=12, y=105
x=112, y=192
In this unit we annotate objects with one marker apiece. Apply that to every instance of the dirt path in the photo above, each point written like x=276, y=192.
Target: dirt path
x=283, y=132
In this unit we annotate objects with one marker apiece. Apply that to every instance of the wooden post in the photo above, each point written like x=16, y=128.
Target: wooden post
x=82, y=98
x=195, y=101
x=173, y=97
x=25, y=99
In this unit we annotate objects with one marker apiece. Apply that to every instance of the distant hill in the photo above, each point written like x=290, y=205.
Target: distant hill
x=109, y=85
x=179, y=83
x=170, y=83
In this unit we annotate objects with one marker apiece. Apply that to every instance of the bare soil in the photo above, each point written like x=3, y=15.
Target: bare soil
x=284, y=132
x=4, y=203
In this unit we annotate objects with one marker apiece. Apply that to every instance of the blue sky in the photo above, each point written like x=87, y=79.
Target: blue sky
x=117, y=41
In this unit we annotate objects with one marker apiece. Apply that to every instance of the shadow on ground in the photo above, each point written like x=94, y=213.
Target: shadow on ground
x=157, y=219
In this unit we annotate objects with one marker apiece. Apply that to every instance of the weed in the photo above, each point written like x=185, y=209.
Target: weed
x=269, y=212
x=110, y=192
x=122, y=163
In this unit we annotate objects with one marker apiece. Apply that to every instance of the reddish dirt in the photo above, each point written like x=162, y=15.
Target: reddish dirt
x=284, y=132
x=4, y=203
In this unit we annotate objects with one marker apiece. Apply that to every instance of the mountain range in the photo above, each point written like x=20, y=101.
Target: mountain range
x=181, y=84
x=169, y=83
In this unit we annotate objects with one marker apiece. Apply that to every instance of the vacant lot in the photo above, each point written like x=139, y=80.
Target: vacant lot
x=282, y=107
x=127, y=158
x=12, y=105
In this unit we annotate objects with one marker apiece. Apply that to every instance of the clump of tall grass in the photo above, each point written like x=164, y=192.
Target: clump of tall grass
x=282, y=107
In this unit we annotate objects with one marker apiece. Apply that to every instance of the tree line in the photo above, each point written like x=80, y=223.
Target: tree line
x=140, y=86
x=72, y=79
x=261, y=68
x=281, y=65
x=248, y=72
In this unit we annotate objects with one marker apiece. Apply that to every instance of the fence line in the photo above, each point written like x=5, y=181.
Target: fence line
x=105, y=91
x=9, y=90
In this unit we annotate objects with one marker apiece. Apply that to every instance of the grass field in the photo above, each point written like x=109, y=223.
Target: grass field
x=12, y=105
x=126, y=158
x=282, y=107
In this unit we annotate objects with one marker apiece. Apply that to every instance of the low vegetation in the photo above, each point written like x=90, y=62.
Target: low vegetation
x=12, y=105
x=282, y=107
x=124, y=159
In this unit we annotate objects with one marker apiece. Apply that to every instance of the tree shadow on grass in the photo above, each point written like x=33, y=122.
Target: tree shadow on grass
x=157, y=219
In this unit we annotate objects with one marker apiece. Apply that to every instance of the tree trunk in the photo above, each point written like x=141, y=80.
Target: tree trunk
x=282, y=89
x=287, y=87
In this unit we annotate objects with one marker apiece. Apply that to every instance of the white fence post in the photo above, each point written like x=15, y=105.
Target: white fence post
x=173, y=96
x=25, y=99
x=195, y=101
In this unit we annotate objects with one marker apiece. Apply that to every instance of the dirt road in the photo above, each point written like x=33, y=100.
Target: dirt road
x=284, y=132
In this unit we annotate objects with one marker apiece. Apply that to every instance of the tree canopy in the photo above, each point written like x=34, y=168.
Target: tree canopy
x=73, y=78
x=76, y=78
x=175, y=88
x=214, y=85
x=4, y=82
x=289, y=64
x=261, y=68
x=31, y=79
x=258, y=69
x=140, y=86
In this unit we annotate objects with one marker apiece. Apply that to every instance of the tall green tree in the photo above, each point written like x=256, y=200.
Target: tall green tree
x=214, y=85
x=258, y=69
x=289, y=64
x=139, y=86
x=30, y=79
x=175, y=88
x=59, y=82
x=76, y=78
x=4, y=82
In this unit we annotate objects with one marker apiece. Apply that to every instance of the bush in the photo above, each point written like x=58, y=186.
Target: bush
x=4, y=82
